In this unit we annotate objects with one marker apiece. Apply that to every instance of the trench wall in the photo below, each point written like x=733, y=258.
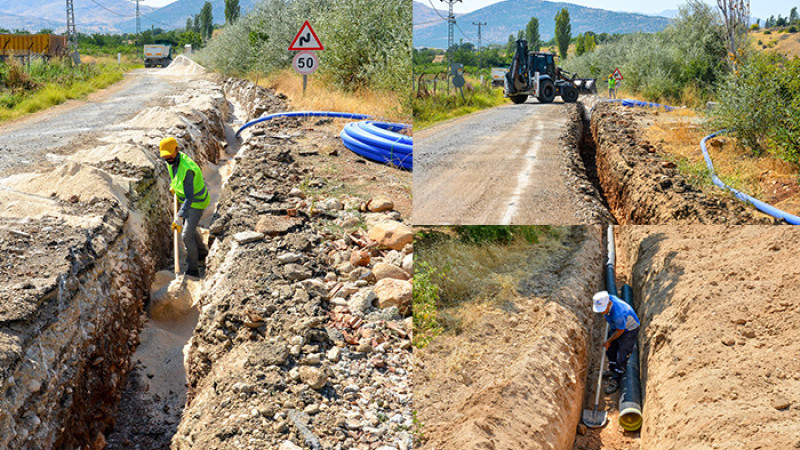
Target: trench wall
x=640, y=189
x=719, y=341
x=68, y=330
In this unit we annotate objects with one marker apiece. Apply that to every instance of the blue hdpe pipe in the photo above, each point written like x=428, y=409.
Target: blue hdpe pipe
x=761, y=206
x=377, y=141
x=630, y=399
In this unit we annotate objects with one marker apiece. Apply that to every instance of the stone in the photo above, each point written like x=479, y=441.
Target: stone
x=728, y=341
x=245, y=237
x=313, y=377
x=289, y=257
x=361, y=301
x=289, y=445
x=382, y=271
x=393, y=235
x=781, y=403
x=408, y=263
x=332, y=204
x=269, y=355
x=380, y=204
x=359, y=258
x=581, y=429
x=334, y=354
x=276, y=225
x=393, y=292
x=296, y=272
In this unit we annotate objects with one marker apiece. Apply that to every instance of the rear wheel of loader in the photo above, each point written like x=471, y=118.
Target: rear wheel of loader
x=518, y=99
x=569, y=93
x=547, y=91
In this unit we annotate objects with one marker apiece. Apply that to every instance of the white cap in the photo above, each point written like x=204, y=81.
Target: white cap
x=600, y=302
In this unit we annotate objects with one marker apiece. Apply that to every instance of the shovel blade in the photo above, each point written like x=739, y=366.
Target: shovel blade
x=594, y=418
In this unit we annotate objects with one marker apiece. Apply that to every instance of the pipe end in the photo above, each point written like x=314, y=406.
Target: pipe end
x=630, y=419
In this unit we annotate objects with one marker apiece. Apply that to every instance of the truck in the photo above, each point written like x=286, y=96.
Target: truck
x=498, y=75
x=157, y=55
x=536, y=74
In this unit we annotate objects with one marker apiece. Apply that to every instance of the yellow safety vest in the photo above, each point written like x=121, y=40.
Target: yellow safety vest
x=185, y=164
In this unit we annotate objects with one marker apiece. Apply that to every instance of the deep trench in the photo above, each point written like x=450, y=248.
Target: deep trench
x=154, y=395
x=587, y=150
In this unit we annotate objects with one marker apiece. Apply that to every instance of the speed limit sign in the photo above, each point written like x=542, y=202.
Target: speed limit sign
x=305, y=63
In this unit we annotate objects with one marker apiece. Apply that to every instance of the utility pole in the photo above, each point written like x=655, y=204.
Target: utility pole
x=138, y=21
x=72, y=35
x=480, y=55
x=451, y=21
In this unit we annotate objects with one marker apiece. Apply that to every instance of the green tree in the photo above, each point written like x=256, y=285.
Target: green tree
x=532, y=33
x=50, y=30
x=563, y=32
x=589, y=43
x=232, y=11
x=206, y=21
x=511, y=45
x=579, y=45
x=793, y=18
x=189, y=24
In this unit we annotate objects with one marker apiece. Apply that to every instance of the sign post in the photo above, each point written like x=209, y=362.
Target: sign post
x=305, y=42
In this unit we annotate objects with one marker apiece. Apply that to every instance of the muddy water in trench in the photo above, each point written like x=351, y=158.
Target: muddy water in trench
x=155, y=394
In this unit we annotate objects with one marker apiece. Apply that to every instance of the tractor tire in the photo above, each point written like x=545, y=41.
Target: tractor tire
x=518, y=99
x=547, y=91
x=569, y=93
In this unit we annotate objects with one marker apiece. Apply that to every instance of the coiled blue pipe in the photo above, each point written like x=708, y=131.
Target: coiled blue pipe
x=632, y=102
x=761, y=206
x=378, y=141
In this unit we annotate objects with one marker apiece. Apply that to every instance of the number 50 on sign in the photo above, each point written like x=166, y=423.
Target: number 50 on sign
x=305, y=63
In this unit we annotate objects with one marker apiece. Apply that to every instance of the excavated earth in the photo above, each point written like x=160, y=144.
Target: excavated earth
x=637, y=185
x=720, y=329
x=81, y=240
x=515, y=378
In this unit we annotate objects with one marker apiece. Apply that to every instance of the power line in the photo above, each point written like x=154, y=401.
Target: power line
x=109, y=10
x=436, y=10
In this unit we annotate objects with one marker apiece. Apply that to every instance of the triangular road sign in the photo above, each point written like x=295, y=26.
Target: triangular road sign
x=618, y=75
x=306, y=39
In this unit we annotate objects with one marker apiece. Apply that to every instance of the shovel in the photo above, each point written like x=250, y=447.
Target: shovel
x=595, y=418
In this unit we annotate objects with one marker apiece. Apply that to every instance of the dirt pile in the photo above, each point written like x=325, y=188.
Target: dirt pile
x=292, y=344
x=641, y=188
x=720, y=331
x=79, y=243
x=182, y=65
x=515, y=378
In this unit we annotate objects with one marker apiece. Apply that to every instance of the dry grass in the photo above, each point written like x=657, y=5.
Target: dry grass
x=677, y=134
x=321, y=95
x=786, y=43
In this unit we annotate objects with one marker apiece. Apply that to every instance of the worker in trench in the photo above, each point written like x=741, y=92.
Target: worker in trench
x=624, y=328
x=186, y=181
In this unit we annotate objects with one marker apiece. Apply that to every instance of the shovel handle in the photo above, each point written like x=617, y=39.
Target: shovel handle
x=600, y=375
x=175, y=235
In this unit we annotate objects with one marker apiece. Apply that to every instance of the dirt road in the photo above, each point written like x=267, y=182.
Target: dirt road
x=499, y=166
x=22, y=143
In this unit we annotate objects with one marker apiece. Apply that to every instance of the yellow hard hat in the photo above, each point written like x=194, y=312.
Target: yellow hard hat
x=168, y=147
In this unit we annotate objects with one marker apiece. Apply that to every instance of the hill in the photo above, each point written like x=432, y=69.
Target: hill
x=89, y=16
x=425, y=16
x=175, y=14
x=508, y=17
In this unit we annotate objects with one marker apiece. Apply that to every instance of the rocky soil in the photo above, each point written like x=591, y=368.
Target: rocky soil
x=304, y=337
x=641, y=188
x=515, y=378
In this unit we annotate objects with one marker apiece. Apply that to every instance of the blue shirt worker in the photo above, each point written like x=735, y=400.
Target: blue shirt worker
x=624, y=329
x=186, y=181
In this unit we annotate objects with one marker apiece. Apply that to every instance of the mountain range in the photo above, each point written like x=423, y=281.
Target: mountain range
x=509, y=16
x=106, y=16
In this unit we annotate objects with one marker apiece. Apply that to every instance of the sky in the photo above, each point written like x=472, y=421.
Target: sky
x=160, y=3
x=758, y=8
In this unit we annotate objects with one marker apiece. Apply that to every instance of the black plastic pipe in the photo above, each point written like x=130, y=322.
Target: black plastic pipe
x=630, y=399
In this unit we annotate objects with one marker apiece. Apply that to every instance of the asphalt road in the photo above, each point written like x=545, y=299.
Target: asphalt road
x=498, y=166
x=27, y=141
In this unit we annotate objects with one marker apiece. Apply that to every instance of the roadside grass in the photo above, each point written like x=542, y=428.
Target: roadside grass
x=57, y=84
x=430, y=110
x=457, y=281
x=678, y=133
x=323, y=95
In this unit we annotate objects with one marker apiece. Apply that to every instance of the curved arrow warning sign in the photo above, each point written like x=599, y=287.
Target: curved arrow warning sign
x=618, y=75
x=306, y=39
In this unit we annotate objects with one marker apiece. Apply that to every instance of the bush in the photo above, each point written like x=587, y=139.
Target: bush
x=426, y=297
x=761, y=104
x=792, y=29
x=689, y=53
x=367, y=42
